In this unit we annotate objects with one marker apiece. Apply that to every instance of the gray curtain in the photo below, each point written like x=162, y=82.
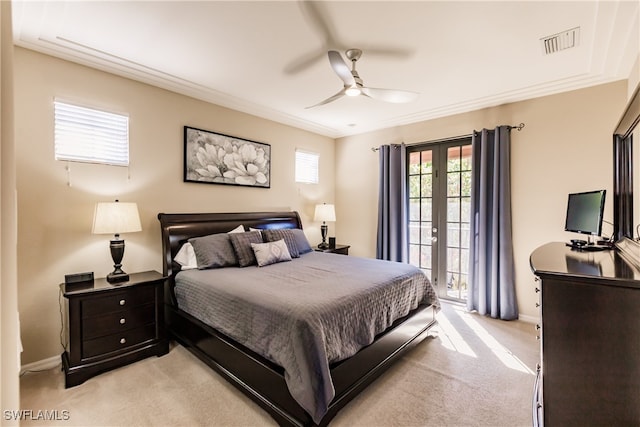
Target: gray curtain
x=491, y=270
x=393, y=204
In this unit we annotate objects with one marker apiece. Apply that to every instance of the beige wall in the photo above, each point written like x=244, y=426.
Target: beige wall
x=55, y=219
x=9, y=344
x=566, y=146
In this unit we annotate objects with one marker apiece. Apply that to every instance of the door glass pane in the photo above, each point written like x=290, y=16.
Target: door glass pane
x=426, y=213
x=414, y=186
x=453, y=209
x=453, y=159
x=414, y=232
x=465, y=184
x=414, y=255
x=425, y=256
x=414, y=163
x=414, y=209
x=425, y=233
x=427, y=161
x=426, y=189
x=453, y=184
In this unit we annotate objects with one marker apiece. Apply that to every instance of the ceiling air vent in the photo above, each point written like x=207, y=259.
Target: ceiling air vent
x=561, y=41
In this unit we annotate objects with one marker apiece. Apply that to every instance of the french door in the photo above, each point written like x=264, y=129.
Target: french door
x=439, y=182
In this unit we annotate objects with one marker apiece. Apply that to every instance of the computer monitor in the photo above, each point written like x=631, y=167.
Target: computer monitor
x=584, y=212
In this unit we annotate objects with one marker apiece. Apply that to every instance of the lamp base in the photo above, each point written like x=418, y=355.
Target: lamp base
x=323, y=246
x=117, y=277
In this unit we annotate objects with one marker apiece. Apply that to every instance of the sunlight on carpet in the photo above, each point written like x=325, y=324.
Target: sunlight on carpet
x=452, y=339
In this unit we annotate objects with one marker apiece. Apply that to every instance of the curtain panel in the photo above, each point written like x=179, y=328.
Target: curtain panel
x=491, y=267
x=393, y=204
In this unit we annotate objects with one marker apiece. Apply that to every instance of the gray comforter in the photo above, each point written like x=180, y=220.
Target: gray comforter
x=306, y=313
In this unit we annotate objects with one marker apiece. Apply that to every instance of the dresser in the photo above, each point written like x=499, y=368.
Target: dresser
x=589, y=371
x=110, y=325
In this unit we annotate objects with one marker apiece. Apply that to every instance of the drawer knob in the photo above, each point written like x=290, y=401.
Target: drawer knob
x=122, y=302
x=537, y=327
x=123, y=321
x=123, y=341
x=537, y=304
x=537, y=290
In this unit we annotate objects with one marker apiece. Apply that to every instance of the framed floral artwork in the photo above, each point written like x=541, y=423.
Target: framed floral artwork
x=214, y=158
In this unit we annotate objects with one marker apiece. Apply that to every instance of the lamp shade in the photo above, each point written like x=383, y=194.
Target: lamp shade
x=115, y=218
x=325, y=212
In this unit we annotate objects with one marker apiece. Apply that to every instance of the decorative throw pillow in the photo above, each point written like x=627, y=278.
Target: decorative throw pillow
x=238, y=229
x=214, y=251
x=301, y=241
x=286, y=234
x=271, y=252
x=186, y=257
x=241, y=243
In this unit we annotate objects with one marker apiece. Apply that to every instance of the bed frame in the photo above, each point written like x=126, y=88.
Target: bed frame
x=258, y=378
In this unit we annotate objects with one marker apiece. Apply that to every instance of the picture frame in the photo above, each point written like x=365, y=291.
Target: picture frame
x=216, y=158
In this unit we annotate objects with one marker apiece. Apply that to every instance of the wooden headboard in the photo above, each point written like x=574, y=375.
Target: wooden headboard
x=177, y=228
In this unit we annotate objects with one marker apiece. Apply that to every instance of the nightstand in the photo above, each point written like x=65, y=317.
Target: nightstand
x=112, y=325
x=339, y=249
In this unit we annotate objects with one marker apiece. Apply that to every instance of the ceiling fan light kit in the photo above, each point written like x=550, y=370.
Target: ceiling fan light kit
x=353, y=84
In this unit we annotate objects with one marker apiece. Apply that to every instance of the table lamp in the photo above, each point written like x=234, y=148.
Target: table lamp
x=115, y=218
x=324, y=212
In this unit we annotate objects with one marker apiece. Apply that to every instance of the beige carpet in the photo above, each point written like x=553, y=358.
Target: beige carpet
x=477, y=371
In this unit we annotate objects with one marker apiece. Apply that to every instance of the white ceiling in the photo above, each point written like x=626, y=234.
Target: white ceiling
x=269, y=58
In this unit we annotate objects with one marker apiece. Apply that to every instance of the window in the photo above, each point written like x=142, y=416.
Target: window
x=88, y=135
x=307, y=167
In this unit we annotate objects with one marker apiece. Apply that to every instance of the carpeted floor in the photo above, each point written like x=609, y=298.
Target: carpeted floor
x=476, y=371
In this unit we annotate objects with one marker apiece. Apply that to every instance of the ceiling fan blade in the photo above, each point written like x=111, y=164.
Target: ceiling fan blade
x=390, y=95
x=341, y=68
x=328, y=100
x=304, y=62
x=317, y=15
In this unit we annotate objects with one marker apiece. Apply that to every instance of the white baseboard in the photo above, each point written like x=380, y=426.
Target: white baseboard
x=41, y=365
x=528, y=319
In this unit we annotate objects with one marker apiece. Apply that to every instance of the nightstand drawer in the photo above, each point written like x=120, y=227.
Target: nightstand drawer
x=115, y=342
x=117, y=301
x=110, y=323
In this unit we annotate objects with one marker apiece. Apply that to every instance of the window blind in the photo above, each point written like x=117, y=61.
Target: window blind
x=88, y=135
x=307, y=167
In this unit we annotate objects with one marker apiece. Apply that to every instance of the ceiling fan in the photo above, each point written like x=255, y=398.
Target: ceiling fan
x=321, y=22
x=353, y=85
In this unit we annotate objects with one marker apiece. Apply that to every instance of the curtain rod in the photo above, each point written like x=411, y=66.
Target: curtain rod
x=518, y=128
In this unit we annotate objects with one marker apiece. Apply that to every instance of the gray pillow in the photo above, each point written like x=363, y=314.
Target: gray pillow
x=241, y=243
x=286, y=234
x=271, y=252
x=213, y=251
x=301, y=241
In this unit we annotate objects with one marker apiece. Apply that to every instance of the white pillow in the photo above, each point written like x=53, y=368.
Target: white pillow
x=238, y=229
x=186, y=257
x=271, y=252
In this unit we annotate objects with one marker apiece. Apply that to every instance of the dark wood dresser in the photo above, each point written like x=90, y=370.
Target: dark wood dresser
x=589, y=372
x=111, y=325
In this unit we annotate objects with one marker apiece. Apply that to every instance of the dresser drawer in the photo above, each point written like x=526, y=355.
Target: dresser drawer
x=118, y=321
x=117, y=301
x=119, y=341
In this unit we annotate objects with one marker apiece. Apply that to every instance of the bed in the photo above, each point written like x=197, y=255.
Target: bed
x=336, y=376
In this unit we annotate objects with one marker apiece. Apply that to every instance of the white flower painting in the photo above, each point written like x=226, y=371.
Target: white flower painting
x=221, y=159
